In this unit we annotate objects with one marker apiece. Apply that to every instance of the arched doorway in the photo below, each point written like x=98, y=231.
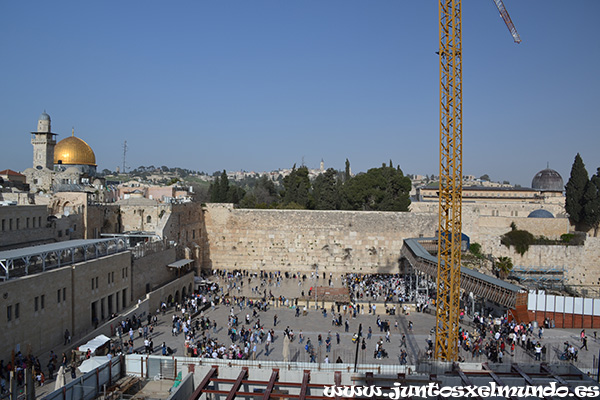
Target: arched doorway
x=177, y=296
x=183, y=294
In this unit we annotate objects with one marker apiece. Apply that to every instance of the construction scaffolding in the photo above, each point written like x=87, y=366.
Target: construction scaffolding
x=540, y=277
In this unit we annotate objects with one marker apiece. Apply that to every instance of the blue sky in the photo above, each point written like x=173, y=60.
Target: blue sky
x=263, y=84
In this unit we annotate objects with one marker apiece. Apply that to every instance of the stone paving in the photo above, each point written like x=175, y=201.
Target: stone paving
x=314, y=323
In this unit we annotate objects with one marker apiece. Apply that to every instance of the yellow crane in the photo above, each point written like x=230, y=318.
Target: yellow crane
x=450, y=189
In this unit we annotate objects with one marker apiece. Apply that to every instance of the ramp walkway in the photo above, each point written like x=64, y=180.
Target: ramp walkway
x=491, y=288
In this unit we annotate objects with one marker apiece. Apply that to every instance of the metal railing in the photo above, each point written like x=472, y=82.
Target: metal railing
x=151, y=366
x=88, y=386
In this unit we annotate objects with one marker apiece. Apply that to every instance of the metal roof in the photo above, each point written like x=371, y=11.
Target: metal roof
x=48, y=248
x=65, y=253
x=181, y=263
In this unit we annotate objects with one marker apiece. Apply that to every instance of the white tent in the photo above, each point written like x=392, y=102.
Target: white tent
x=92, y=363
x=93, y=344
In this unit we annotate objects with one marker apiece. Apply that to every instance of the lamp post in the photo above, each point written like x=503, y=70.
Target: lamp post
x=357, y=347
x=316, y=281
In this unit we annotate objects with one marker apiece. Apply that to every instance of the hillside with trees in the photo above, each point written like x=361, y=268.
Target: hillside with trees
x=379, y=189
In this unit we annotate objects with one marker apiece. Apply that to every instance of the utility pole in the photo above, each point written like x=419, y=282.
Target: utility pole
x=124, y=156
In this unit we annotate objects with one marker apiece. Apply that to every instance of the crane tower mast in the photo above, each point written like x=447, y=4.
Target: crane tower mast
x=450, y=189
x=450, y=186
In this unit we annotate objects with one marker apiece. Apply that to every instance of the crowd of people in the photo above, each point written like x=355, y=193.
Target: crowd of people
x=496, y=339
x=248, y=336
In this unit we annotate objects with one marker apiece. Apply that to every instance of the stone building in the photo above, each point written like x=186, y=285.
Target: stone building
x=29, y=225
x=69, y=165
x=13, y=179
x=546, y=188
x=59, y=288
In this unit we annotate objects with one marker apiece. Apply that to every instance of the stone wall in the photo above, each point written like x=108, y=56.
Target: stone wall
x=30, y=225
x=44, y=305
x=35, y=310
x=175, y=289
x=178, y=222
x=29, y=329
x=297, y=240
x=485, y=223
x=102, y=218
x=346, y=241
x=581, y=263
x=110, y=290
x=151, y=272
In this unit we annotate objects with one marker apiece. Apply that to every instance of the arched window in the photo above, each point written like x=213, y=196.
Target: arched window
x=148, y=219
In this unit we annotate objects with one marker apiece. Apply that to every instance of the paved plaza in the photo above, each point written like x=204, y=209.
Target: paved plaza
x=314, y=323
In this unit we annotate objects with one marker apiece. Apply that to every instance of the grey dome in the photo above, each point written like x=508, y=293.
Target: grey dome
x=44, y=117
x=548, y=179
x=540, y=214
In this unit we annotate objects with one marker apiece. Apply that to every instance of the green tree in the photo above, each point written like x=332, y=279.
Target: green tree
x=380, y=189
x=223, y=188
x=235, y=194
x=249, y=201
x=503, y=266
x=519, y=238
x=591, y=203
x=484, y=177
x=575, y=189
x=265, y=193
x=475, y=249
x=297, y=187
x=213, y=194
x=326, y=191
x=219, y=189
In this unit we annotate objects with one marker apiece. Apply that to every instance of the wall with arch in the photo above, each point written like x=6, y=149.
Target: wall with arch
x=169, y=290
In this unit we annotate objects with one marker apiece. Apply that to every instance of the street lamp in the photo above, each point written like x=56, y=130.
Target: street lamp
x=357, y=347
x=316, y=281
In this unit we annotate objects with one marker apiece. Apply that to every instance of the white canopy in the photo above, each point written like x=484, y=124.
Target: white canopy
x=92, y=363
x=93, y=344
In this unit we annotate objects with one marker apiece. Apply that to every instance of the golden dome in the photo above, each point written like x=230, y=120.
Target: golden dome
x=74, y=151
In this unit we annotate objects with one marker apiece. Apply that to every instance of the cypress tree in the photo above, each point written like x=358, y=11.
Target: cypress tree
x=591, y=200
x=347, y=173
x=223, y=189
x=575, y=190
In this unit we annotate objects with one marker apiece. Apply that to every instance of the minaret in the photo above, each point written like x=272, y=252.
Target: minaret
x=43, y=142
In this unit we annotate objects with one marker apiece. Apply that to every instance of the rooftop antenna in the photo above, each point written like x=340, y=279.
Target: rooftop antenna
x=124, y=156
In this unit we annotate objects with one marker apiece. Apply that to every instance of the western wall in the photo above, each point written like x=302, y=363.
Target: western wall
x=299, y=240
x=369, y=242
